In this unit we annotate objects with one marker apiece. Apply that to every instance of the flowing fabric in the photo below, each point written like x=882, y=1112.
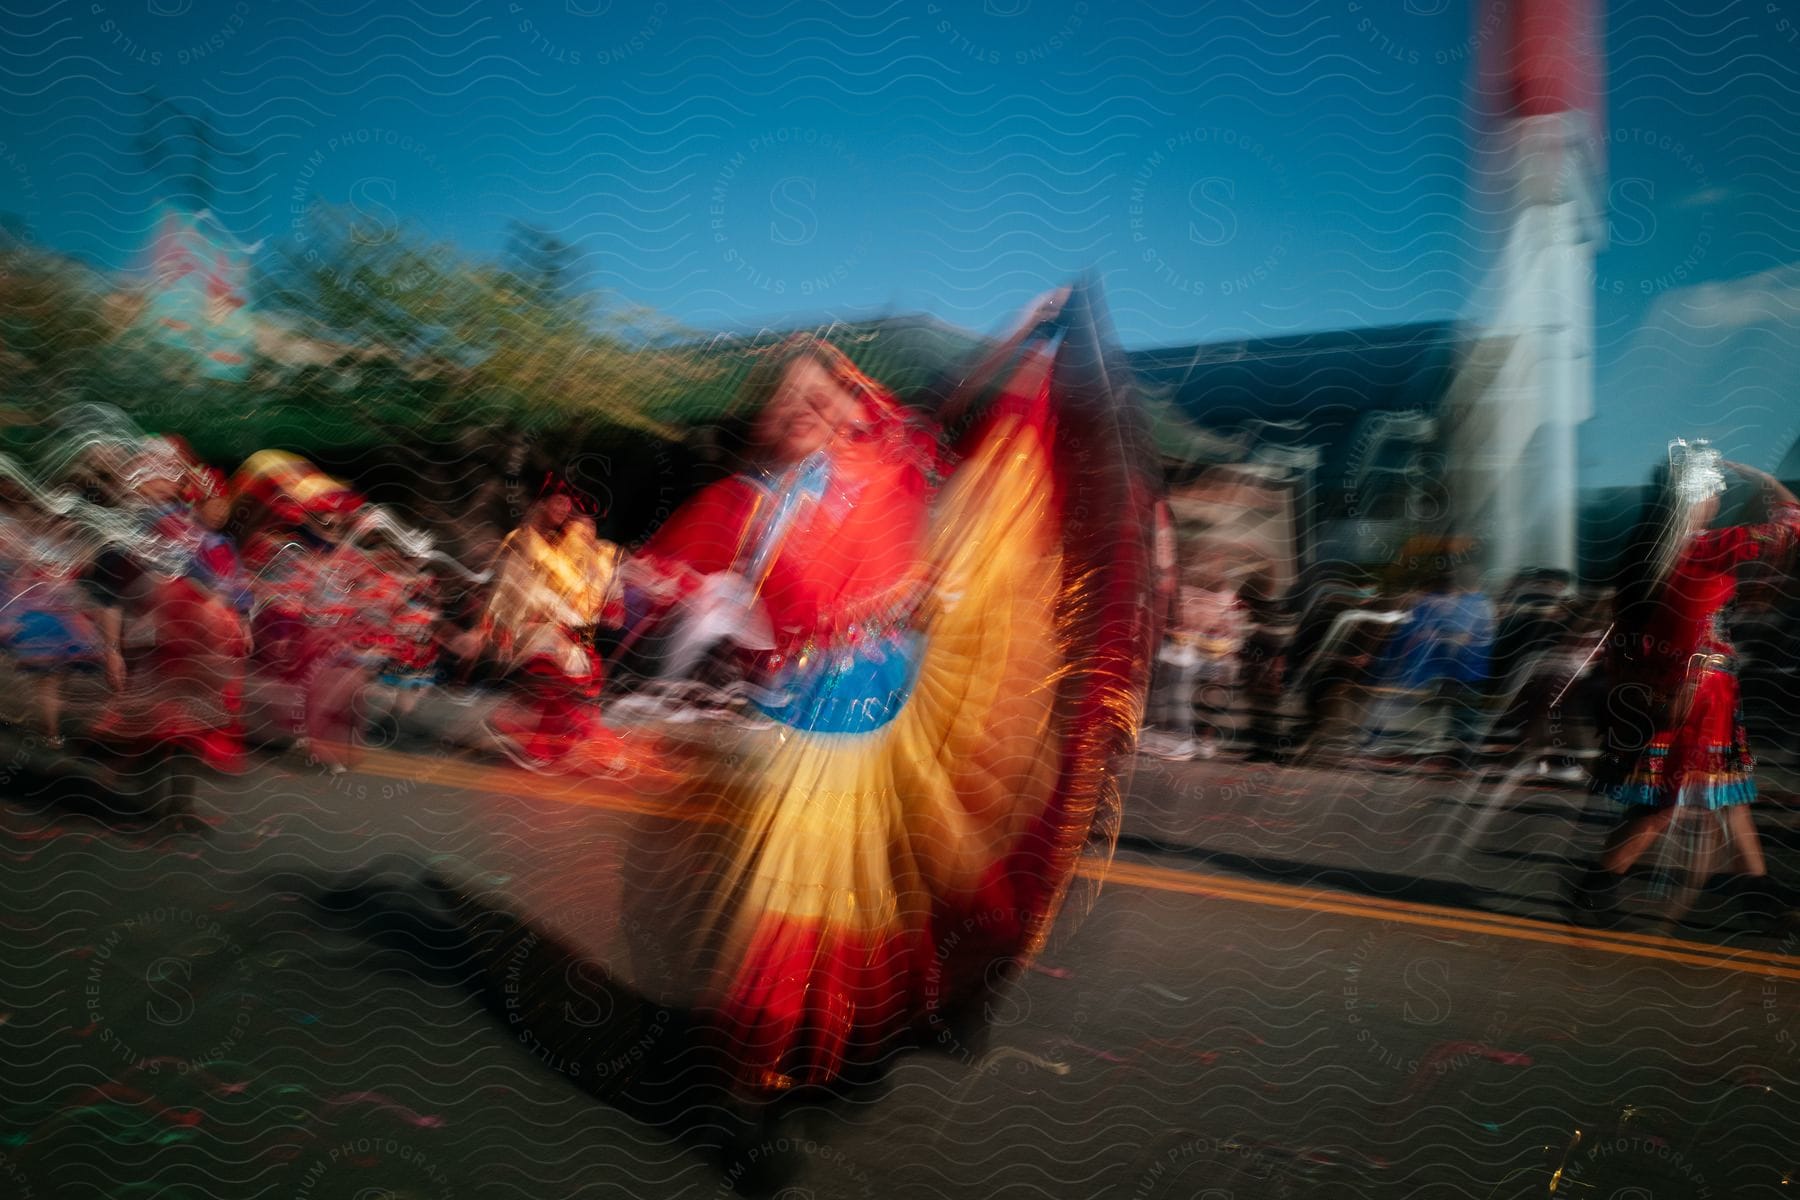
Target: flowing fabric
x=1683, y=672
x=913, y=816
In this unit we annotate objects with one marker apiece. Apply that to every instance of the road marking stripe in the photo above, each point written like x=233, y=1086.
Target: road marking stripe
x=1386, y=904
x=600, y=793
x=1191, y=883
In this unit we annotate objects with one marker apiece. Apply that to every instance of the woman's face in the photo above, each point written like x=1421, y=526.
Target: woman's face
x=806, y=412
x=1702, y=514
x=554, y=513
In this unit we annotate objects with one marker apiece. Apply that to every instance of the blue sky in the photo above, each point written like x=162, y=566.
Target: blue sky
x=1243, y=169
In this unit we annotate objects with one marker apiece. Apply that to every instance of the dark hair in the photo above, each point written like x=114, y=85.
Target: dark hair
x=736, y=432
x=770, y=368
x=1636, y=572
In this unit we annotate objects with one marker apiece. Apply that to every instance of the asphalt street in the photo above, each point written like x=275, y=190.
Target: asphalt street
x=1321, y=982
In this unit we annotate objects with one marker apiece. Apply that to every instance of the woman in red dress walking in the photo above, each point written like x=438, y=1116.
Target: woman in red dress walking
x=1674, y=746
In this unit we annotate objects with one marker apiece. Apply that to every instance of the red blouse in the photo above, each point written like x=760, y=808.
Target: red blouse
x=1705, y=579
x=852, y=556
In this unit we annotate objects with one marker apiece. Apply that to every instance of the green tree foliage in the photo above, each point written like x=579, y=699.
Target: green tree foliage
x=460, y=343
x=54, y=320
x=366, y=337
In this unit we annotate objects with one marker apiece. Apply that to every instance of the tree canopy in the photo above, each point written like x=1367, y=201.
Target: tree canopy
x=362, y=337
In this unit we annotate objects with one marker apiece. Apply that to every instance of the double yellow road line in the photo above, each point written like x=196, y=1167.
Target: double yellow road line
x=629, y=797
x=1455, y=920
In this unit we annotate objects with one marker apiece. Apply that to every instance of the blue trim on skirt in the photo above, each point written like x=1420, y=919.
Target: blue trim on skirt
x=1712, y=796
x=847, y=689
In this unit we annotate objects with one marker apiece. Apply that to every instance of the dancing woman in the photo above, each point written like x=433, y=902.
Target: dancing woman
x=553, y=583
x=1673, y=742
x=941, y=732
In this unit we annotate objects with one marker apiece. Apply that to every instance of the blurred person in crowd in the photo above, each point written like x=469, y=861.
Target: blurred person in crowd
x=370, y=630
x=1213, y=624
x=1166, y=565
x=1264, y=661
x=456, y=597
x=170, y=609
x=1538, y=613
x=317, y=617
x=1197, y=665
x=409, y=659
x=1442, y=654
x=44, y=625
x=1674, y=747
x=553, y=581
x=286, y=515
x=1168, y=717
x=1557, y=707
x=1468, y=620
x=1340, y=635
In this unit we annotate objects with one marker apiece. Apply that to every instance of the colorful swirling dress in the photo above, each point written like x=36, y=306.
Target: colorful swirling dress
x=957, y=674
x=1680, y=676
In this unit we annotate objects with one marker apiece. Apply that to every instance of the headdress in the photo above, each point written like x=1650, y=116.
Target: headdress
x=290, y=489
x=1696, y=470
x=1696, y=474
x=558, y=485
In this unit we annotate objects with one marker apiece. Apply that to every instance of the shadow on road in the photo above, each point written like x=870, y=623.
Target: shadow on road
x=662, y=1066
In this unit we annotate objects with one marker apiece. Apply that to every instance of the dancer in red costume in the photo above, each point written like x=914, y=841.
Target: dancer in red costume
x=1674, y=746
x=341, y=616
x=286, y=514
x=171, y=610
x=954, y=675
x=553, y=582
x=313, y=602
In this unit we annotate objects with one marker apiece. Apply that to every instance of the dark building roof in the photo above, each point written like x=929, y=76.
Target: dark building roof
x=1308, y=376
x=1322, y=390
